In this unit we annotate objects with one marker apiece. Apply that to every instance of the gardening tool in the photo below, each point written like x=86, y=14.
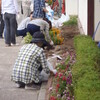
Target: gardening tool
x=95, y=33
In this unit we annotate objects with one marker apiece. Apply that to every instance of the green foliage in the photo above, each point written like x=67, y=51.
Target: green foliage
x=50, y=2
x=85, y=72
x=27, y=38
x=71, y=22
x=67, y=60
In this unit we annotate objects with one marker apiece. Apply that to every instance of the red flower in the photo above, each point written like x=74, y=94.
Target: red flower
x=64, y=78
x=56, y=89
x=59, y=70
x=52, y=98
x=63, y=71
x=66, y=67
x=58, y=80
x=56, y=75
x=57, y=85
x=60, y=75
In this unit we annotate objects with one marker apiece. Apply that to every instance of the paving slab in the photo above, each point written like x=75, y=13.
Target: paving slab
x=8, y=89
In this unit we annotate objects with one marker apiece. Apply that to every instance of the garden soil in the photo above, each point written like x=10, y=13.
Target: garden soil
x=68, y=33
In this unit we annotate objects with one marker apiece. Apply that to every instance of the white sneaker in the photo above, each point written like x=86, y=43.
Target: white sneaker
x=14, y=44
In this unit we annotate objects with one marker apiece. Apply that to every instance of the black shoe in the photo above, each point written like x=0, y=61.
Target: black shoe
x=32, y=87
x=20, y=85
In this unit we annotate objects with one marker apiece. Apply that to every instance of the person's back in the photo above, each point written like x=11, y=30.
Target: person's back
x=24, y=23
x=9, y=6
x=10, y=9
x=39, y=22
x=30, y=62
x=39, y=25
x=27, y=64
x=24, y=10
x=38, y=9
x=22, y=27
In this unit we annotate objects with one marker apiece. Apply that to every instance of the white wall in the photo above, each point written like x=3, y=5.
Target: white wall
x=82, y=14
x=97, y=19
x=71, y=7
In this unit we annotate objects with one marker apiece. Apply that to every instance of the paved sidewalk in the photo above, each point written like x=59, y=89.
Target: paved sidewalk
x=8, y=90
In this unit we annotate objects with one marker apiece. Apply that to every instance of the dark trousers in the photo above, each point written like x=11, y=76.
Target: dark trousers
x=1, y=25
x=11, y=28
x=22, y=32
x=31, y=28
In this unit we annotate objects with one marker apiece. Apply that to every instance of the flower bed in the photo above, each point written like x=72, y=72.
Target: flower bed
x=62, y=87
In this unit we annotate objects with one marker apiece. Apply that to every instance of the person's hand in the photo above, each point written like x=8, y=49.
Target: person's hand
x=51, y=43
x=53, y=72
x=18, y=16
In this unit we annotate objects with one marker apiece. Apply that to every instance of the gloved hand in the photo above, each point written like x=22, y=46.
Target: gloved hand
x=54, y=71
x=51, y=43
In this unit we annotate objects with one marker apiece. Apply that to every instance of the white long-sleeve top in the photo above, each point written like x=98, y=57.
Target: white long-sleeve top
x=24, y=23
x=44, y=26
x=10, y=6
x=26, y=3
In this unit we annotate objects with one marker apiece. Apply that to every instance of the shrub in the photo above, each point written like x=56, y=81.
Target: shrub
x=85, y=72
x=27, y=38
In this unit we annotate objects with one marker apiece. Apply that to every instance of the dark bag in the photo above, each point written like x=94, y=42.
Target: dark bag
x=21, y=8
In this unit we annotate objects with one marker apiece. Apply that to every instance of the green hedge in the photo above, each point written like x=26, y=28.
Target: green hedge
x=86, y=70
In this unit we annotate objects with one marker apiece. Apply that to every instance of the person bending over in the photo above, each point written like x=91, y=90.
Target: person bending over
x=30, y=62
x=40, y=24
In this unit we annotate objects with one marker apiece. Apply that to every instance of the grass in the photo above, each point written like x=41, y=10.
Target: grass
x=71, y=22
x=86, y=71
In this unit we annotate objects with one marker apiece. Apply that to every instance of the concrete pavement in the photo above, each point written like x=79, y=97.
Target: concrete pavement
x=8, y=90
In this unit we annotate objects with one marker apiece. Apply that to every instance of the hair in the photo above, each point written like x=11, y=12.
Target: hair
x=49, y=22
x=31, y=12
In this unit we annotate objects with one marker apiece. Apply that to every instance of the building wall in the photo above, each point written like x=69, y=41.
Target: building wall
x=97, y=19
x=82, y=14
x=71, y=7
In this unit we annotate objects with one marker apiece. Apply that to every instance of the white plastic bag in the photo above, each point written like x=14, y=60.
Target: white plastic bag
x=44, y=76
x=50, y=13
x=58, y=23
